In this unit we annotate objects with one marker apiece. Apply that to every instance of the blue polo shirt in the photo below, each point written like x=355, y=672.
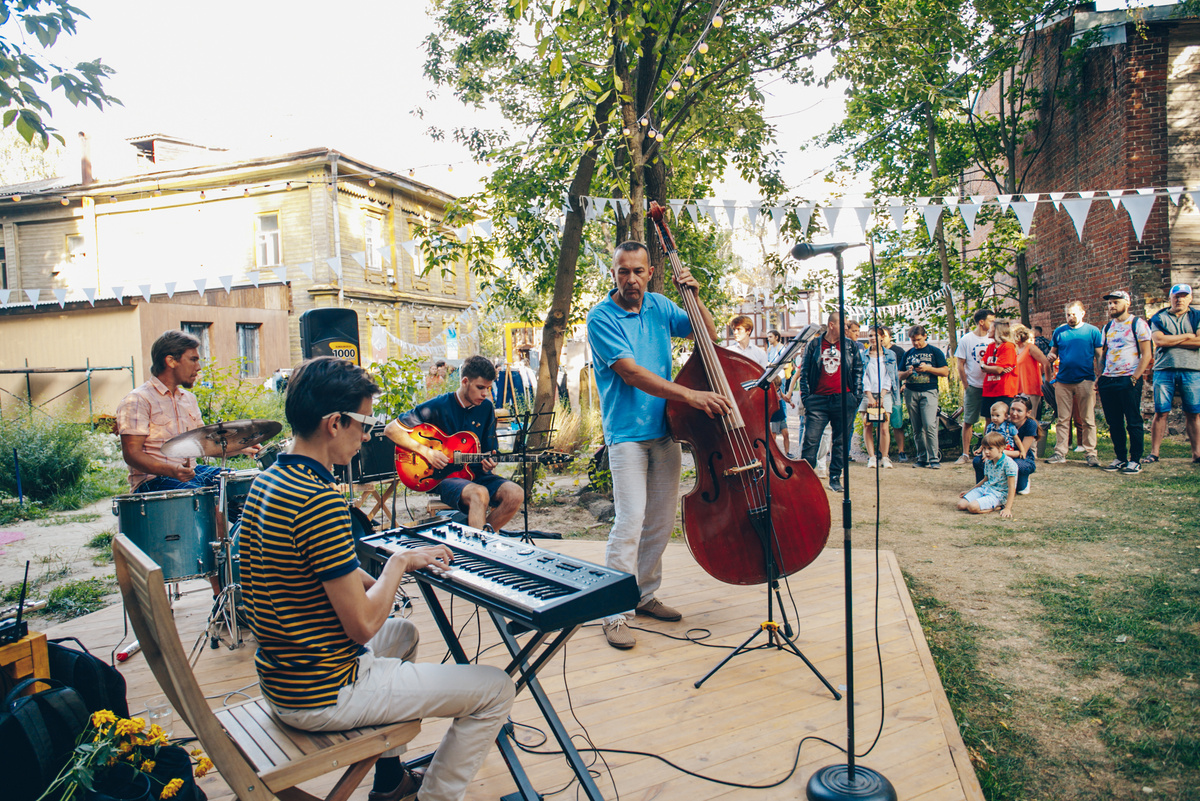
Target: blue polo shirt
x=629, y=414
x=1076, y=352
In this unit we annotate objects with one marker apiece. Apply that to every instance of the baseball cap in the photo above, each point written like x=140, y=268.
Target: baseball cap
x=1117, y=294
x=1181, y=289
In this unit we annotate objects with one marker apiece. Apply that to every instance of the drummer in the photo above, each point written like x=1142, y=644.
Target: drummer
x=160, y=409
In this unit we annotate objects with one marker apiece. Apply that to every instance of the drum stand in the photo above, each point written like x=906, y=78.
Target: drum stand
x=223, y=617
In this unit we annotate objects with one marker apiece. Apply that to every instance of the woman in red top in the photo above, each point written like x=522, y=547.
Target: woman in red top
x=999, y=366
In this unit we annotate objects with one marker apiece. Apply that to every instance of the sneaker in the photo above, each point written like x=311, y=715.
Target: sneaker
x=964, y=459
x=1131, y=468
x=1079, y=449
x=871, y=462
x=822, y=472
x=658, y=610
x=1028, y=484
x=618, y=635
x=887, y=462
x=1092, y=461
x=1057, y=458
x=835, y=485
x=901, y=457
x=1115, y=465
x=935, y=465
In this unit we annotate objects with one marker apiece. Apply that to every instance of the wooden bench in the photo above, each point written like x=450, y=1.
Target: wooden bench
x=259, y=757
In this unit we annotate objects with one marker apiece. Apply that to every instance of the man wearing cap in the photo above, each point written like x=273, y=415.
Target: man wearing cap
x=1125, y=360
x=1176, y=332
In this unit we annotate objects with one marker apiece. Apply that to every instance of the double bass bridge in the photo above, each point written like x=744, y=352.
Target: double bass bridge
x=743, y=468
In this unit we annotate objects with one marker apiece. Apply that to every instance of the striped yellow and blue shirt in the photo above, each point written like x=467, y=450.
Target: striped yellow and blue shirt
x=295, y=534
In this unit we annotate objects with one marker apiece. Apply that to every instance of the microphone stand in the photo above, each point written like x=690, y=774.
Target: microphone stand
x=848, y=782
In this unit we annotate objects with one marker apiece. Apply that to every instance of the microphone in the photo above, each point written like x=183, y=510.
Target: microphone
x=803, y=250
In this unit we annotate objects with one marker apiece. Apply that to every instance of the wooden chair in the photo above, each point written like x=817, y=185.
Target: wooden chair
x=259, y=757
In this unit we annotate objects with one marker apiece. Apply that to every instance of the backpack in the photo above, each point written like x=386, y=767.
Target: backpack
x=37, y=735
x=99, y=684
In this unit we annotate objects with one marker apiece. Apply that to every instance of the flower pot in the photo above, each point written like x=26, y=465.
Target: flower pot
x=120, y=783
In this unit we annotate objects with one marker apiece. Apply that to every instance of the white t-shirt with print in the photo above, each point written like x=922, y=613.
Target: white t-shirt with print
x=970, y=349
x=1122, y=357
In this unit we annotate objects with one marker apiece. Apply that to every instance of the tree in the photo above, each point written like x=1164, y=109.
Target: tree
x=26, y=76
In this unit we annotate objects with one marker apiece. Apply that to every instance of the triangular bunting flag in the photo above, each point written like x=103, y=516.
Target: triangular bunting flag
x=803, y=214
x=752, y=216
x=485, y=226
x=306, y=267
x=714, y=211
x=950, y=202
x=382, y=250
x=777, y=217
x=5, y=294
x=33, y=295
x=360, y=258
x=1115, y=196
x=1056, y=199
x=119, y=292
x=170, y=287
x=676, y=205
x=978, y=200
x=1024, y=211
x=255, y=277
x=1004, y=201
x=1032, y=198
x=968, y=212
x=61, y=295
x=281, y=272
x=1195, y=196
x=897, y=212
x=90, y=293
x=335, y=265
x=227, y=282
x=1174, y=193
x=831, y=214
x=410, y=247
x=1078, y=209
x=864, y=215
x=200, y=284
x=1138, y=208
x=932, y=213
x=694, y=212
x=145, y=290
x=511, y=221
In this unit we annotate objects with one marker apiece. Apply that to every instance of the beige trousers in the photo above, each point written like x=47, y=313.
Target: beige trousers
x=1066, y=395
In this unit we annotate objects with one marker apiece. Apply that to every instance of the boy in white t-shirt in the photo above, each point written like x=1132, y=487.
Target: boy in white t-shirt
x=969, y=357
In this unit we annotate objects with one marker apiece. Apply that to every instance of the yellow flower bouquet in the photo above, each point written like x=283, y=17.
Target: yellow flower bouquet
x=116, y=759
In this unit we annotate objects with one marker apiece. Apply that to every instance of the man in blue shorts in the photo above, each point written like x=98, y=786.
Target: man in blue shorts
x=630, y=333
x=487, y=499
x=1176, y=334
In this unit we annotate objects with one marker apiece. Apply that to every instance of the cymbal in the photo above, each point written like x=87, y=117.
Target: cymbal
x=220, y=438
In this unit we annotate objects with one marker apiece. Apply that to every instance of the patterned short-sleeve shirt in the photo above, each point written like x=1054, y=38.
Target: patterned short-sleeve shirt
x=155, y=412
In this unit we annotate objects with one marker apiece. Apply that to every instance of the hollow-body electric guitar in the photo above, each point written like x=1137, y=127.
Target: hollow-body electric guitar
x=462, y=449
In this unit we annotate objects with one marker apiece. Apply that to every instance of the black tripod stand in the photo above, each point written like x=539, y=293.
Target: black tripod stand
x=763, y=526
x=521, y=448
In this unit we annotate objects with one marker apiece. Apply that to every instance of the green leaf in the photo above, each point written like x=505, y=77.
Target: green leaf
x=568, y=98
x=556, y=65
x=590, y=84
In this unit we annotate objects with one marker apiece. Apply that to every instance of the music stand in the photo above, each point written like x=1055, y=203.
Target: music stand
x=521, y=448
x=777, y=639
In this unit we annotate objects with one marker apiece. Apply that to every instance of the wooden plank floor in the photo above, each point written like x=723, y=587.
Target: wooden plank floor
x=742, y=726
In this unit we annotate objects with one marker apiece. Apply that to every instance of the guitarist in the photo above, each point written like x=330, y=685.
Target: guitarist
x=487, y=498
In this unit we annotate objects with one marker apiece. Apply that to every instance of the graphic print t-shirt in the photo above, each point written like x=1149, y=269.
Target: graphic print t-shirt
x=971, y=348
x=830, y=381
x=928, y=355
x=1122, y=339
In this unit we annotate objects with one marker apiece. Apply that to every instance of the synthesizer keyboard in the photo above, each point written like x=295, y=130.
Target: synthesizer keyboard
x=542, y=589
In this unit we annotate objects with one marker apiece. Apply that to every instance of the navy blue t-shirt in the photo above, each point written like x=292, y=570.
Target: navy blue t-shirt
x=447, y=413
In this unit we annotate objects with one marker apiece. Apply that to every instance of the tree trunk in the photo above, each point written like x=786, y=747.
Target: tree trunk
x=939, y=233
x=1023, y=287
x=656, y=189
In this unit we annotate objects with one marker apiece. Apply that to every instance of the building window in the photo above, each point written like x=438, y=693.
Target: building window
x=200, y=332
x=373, y=239
x=247, y=335
x=267, y=251
x=3, y=270
x=423, y=334
x=75, y=248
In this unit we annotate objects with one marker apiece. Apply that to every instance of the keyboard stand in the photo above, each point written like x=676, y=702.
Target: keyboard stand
x=524, y=673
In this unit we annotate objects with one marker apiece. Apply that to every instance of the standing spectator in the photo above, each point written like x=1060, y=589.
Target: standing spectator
x=897, y=421
x=1042, y=342
x=880, y=382
x=999, y=365
x=920, y=369
x=1176, y=332
x=1126, y=358
x=969, y=356
x=824, y=378
x=743, y=329
x=779, y=427
x=1028, y=432
x=1077, y=349
x=1032, y=368
x=999, y=483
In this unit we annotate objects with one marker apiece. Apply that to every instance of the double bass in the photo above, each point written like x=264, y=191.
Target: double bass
x=728, y=517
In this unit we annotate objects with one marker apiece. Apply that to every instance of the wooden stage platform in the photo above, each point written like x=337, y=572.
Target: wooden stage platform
x=742, y=726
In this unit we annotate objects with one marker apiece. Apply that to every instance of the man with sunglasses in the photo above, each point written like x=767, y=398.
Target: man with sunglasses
x=329, y=656
x=487, y=498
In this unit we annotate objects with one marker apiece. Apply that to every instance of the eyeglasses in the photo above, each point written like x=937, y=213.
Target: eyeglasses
x=367, y=420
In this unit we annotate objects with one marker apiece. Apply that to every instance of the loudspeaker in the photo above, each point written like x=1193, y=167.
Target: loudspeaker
x=375, y=461
x=330, y=332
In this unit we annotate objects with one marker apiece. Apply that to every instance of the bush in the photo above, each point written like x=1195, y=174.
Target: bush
x=223, y=394
x=54, y=456
x=402, y=382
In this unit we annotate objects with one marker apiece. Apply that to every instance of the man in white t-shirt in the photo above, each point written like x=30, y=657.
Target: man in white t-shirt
x=1126, y=356
x=969, y=356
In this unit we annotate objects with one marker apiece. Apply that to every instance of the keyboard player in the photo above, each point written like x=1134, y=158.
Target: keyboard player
x=329, y=657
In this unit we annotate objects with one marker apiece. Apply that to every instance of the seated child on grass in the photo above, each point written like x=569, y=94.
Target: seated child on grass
x=999, y=484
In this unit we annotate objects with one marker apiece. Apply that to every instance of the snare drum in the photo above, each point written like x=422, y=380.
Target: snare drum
x=175, y=528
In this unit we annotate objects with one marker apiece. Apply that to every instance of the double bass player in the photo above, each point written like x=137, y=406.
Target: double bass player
x=629, y=333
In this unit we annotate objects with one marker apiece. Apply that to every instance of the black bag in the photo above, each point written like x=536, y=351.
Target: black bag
x=37, y=735
x=172, y=762
x=99, y=684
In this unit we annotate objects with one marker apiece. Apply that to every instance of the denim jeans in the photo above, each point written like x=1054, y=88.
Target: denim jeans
x=822, y=410
x=1121, y=400
x=922, y=411
x=646, y=496
x=205, y=477
x=391, y=688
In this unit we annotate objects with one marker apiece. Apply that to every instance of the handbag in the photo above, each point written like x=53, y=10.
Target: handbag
x=37, y=736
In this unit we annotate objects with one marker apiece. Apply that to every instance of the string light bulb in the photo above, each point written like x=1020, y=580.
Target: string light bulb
x=371, y=182
x=449, y=168
x=287, y=187
x=16, y=198
x=670, y=94
x=676, y=85
x=718, y=21
x=112, y=198
x=660, y=136
x=689, y=70
x=156, y=193
x=703, y=48
x=411, y=173
x=644, y=121
x=202, y=194
x=64, y=201
x=625, y=130
x=246, y=192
